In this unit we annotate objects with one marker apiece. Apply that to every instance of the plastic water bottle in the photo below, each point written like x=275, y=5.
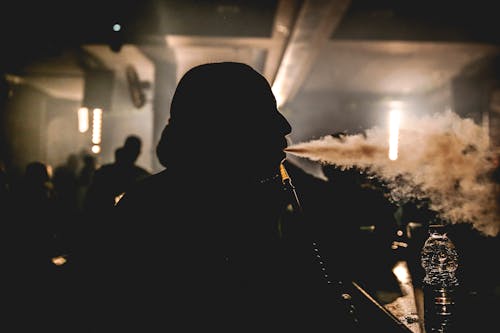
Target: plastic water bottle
x=439, y=260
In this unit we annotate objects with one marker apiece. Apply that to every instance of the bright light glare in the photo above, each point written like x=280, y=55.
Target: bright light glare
x=50, y=170
x=96, y=126
x=96, y=149
x=394, y=122
x=118, y=197
x=402, y=272
x=117, y=27
x=83, y=120
x=59, y=260
x=278, y=95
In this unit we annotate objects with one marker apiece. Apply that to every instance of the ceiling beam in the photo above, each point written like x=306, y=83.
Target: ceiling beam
x=273, y=46
x=183, y=41
x=282, y=27
x=315, y=24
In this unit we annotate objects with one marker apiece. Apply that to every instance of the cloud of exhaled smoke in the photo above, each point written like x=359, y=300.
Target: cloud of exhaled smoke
x=442, y=158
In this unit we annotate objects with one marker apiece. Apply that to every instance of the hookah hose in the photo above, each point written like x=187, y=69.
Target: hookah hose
x=345, y=297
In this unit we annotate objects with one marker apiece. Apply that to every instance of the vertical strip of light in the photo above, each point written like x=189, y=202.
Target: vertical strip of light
x=485, y=122
x=96, y=129
x=83, y=119
x=394, y=122
x=278, y=95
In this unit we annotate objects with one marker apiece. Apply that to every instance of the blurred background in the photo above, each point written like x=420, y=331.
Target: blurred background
x=334, y=66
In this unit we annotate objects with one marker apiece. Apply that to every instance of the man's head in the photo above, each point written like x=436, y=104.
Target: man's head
x=36, y=173
x=131, y=149
x=224, y=114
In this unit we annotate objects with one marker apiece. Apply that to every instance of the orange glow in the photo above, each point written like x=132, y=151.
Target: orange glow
x=96, y=149
x=59, y=260
x=118, y=197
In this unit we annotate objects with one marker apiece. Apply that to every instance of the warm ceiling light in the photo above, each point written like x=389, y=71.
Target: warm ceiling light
x=83, y=120
x=96, y=149
x=96, y=126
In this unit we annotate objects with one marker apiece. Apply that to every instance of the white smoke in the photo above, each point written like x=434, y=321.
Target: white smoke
x=442, y=158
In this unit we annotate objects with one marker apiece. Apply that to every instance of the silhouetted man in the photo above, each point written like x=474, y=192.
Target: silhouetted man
x=198, y=245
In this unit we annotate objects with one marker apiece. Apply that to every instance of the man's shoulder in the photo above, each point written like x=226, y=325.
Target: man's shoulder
x=105, y=169
x=141, y=172
x=146, y=191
